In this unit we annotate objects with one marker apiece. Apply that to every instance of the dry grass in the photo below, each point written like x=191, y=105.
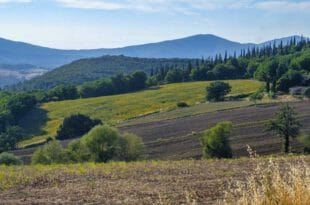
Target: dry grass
x=156, y=182
x=274, y=184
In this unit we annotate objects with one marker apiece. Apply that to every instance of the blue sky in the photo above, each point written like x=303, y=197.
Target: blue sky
x=113, y=23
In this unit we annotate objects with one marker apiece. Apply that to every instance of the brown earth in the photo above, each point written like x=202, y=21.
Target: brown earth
x=150, y=182
x=179, y=138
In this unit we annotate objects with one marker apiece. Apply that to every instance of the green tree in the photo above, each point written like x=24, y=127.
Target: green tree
x=10, y=137
x=285, y=125
x=174, y=76
x=215, y=141
x=131, y=147
x=51, y=153
x=9, y=159
x=75, y=126
x=103, y=142
x=216, y=91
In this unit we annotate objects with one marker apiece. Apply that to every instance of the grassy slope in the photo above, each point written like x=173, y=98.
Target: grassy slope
x=117, y=108
x=146, y=182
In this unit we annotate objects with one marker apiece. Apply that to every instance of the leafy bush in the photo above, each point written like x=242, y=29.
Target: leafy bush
x=216, y=91
x=77, y=151
x=215, y=141
x=62, y=92
x=289, y=79
x=101, y=144
x=10, y=137
x=258, y=95
x=75, y=126
x=182, y=104
x=305, y=140
x=9, y=159
x=131, y=148
x=307, y=93
x=51, y=153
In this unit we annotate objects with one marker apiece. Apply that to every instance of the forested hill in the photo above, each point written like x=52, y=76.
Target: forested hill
x=86, y=70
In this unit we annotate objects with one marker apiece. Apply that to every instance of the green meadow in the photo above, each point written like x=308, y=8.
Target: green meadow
x=44, y=120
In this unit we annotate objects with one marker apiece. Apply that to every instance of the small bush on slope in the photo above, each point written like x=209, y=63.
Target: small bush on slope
x=9, y=159
x=215, y=141
x=76, y=125
x=51, y=153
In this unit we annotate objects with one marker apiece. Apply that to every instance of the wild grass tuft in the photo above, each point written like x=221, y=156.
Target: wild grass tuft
x=275, y=184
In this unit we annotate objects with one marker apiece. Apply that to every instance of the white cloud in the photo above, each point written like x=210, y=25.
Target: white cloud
x=284, y=6
x=187, y=7
x=14, y=1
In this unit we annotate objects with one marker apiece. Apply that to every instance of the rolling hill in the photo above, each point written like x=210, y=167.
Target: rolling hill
x=43, y=121
x=91, y=69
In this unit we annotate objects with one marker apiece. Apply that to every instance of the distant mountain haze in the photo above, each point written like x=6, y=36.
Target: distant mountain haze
x=12, y=52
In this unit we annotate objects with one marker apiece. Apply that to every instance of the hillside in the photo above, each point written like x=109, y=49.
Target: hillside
x=92, y=69
x=44, y=121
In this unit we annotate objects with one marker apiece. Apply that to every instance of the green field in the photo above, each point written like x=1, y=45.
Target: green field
x=44, y=120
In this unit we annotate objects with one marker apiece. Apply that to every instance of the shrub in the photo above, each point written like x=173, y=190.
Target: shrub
x=51, y=153
x=215, y=141
x=305, y=140
x=182, y=104
x=102, y=142
x=131, y=148
x=75, y=126
x=216, y=91
x=258, y=95
x=307, y=93
x=105, y=143
x=10, y=137
x=77, y=151
x=9, y=159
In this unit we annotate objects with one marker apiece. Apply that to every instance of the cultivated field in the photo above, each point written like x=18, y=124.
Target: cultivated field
x=149, y=182
x=44, y=121
x=179, y=138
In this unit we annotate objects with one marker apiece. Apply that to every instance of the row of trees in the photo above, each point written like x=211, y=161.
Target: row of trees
x=107, y=86
x=294, y=55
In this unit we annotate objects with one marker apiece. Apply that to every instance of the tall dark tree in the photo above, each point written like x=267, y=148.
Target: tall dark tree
x=285, y=125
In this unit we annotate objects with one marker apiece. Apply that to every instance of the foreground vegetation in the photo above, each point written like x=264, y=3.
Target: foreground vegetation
x=161, y=182
x=44, y=121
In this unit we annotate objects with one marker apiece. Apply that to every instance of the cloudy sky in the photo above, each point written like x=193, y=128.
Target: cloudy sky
x=113, y=23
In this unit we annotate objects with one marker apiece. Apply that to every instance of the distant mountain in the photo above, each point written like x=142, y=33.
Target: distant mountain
x=12, y=52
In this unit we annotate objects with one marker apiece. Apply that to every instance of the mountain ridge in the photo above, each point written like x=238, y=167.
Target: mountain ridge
x=196, y=46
